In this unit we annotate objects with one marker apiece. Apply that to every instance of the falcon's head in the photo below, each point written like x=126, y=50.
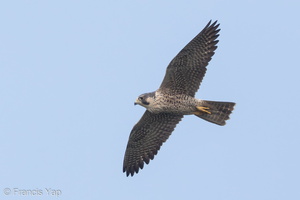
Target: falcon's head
x=145, y=100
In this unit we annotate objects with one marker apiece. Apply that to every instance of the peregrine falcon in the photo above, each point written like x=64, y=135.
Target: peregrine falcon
x=175, y=98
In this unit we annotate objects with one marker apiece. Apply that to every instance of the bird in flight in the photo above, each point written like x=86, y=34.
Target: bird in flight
x=175, y=98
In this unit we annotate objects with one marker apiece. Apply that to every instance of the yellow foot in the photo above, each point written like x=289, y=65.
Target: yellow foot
x=203, y=109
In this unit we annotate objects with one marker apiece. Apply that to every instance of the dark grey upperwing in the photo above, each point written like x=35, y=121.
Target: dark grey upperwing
x=186, y=71
x=146, y=138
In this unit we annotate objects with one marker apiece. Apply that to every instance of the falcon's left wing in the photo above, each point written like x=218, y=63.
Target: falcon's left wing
x=186, y=71
x=146, y=138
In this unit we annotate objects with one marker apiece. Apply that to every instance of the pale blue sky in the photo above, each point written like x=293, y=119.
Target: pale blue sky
x=71, y=70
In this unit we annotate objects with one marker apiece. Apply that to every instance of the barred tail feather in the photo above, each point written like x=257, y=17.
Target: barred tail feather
x=215, y=111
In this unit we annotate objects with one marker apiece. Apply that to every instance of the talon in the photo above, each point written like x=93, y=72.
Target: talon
x=203, y=109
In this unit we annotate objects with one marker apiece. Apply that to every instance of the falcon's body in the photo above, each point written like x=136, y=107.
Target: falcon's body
x=160, y=102
x=174, y=99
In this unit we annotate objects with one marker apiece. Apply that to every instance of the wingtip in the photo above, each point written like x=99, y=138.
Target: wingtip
x=215, y=23
x=212, y=27
x=133, y=169
x=131, y=172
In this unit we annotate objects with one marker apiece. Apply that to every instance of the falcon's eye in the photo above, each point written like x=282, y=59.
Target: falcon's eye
x=141, y=98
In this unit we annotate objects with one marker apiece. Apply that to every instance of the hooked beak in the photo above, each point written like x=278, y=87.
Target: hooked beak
x=136, y=102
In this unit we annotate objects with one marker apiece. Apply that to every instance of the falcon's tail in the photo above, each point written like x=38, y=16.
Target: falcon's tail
x=214, y=111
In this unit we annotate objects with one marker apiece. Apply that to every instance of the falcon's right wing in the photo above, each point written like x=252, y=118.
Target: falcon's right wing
x=146, y=138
